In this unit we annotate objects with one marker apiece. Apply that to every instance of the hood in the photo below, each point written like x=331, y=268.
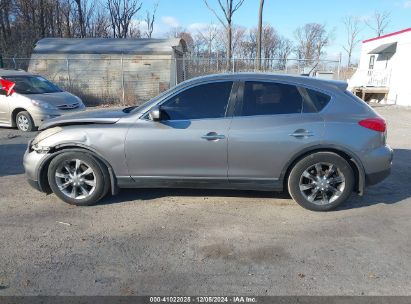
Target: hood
x=87, y=117
x=55, y=99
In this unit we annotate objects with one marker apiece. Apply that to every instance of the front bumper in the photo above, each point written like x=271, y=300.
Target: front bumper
x=42, y=116
x=32, y=163
x=34, y=184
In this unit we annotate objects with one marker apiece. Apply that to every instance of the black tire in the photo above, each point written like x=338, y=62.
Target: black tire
x=336, y=192
x=100, y=177
x=24, y=122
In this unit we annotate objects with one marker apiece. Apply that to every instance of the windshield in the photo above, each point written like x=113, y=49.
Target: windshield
x=27, y=84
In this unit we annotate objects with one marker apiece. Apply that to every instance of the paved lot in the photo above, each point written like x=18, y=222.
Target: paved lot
x=206, y=242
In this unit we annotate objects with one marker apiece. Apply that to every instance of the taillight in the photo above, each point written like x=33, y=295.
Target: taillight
x=376, y=124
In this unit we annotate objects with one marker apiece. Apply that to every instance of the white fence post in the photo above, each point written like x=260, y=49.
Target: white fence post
x=184, y=68
x=122, y=79
x=68, y=72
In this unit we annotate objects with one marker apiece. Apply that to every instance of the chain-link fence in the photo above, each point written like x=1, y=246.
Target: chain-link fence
x=128, y=81
x=193, y=67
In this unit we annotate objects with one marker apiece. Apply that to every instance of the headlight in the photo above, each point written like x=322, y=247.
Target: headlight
x=47, y=133
x=80, y=101
x=43, y=105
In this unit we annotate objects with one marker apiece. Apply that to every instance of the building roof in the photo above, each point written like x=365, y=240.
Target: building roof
x=108, y=46
x=388, y=35
x=6, y=72
x=385, y=48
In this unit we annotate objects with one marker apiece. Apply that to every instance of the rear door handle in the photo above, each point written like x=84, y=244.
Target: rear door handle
x=301, y=133
x=213, y=136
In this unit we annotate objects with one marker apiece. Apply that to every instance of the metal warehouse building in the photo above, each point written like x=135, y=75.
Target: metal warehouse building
x=110, y=70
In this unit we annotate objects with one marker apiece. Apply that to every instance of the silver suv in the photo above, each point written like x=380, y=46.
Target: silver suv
x=237, y=131
x=32, y=100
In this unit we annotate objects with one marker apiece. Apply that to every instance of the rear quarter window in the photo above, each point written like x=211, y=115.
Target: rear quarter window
x=314, y=101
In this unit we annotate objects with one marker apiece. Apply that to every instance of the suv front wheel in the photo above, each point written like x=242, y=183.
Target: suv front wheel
x=321, y=181
x=78, y=178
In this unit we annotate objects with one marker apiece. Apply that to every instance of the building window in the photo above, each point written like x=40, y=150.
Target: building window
x=372, y=60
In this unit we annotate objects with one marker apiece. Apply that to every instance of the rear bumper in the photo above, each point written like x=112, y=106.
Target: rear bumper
x=375, y=178
x=380, y=161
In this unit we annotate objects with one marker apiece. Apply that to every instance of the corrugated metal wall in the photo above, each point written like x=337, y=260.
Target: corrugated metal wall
x=128, y=79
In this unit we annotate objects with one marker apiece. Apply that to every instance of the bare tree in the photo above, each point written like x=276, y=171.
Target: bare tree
x=5, y=7
x=208, y=37
x=81, y=19
x=284, y=50
x=176, y=32
x=259, y=34
x=98, y=24
x=311, y=38
x=150, y=18
x=121, y=13
x=228, y=9
x=352, y=29
x=181, y=32
x=379, y=22
x=248, y=47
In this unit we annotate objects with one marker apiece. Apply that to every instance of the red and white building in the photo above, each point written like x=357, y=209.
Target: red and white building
x=384, y=70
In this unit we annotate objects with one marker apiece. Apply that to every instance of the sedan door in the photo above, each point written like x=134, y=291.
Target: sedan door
x=268, y=128
x=188, y=145
x=4, y=108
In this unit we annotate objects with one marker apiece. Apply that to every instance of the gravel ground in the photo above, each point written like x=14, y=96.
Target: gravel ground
x=175, y=242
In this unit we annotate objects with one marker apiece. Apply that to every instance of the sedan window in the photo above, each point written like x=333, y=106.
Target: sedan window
x=268, y=98
x=199, y=102
x=33, y=85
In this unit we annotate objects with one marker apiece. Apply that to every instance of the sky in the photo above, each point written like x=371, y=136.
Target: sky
x=285, y=16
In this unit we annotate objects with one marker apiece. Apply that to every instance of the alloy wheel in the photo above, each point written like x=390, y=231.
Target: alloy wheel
x=23, y=123
x=322, y=183
x=75, y=179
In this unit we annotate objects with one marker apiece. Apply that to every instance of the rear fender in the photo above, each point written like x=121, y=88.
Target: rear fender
x=350, y=156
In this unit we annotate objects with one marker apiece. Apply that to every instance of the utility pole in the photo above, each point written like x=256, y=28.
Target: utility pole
x=260, y=34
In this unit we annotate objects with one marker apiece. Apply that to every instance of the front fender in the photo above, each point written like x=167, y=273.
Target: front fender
x=73, y=147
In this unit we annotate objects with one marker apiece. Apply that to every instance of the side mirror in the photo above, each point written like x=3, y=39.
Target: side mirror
x=155, y=114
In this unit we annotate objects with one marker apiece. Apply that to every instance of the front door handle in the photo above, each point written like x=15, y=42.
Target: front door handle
x=212, y=136
x=301, y=133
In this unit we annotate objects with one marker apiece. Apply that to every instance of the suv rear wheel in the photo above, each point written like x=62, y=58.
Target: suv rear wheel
x=78, y=178
x=321, y=181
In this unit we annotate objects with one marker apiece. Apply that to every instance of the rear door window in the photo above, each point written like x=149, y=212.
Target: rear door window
x=269, y=98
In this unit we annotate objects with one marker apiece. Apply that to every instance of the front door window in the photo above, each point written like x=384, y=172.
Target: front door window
x=200, y=102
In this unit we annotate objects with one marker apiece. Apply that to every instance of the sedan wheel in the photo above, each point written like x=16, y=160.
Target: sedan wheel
x=321, y=181
x=78, y=178
x=24, y=122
